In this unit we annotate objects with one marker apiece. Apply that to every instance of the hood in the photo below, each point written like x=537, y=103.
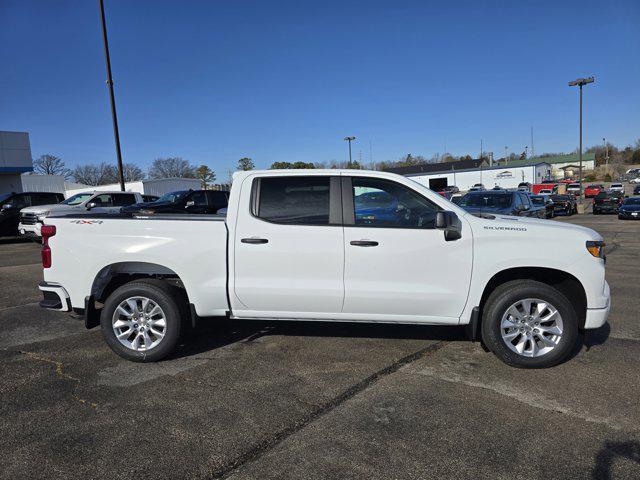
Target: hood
x=548, y=228
x=630, y=208
x=55, y=207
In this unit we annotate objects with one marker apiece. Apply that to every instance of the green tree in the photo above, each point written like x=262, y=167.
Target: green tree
x=280, y=165
x=245, y=164
x=354, y=165
x=205, y=175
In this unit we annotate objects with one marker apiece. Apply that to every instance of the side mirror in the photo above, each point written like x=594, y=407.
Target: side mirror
x=91, y=205
x=450, y=223
x=7, y=206
x=190, y=203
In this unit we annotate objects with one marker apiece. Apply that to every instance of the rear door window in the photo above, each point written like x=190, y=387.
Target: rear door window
x=293, y=200
x=123, y=199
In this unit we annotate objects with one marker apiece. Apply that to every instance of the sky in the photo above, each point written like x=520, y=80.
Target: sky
x=214, y=81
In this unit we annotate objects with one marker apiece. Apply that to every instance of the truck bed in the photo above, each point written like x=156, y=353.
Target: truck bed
x=89, y=247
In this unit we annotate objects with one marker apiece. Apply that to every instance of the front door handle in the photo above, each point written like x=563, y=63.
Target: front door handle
x=363, y=243
x=254, y=241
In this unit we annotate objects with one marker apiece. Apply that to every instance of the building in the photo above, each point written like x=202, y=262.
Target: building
x=15, y=159
x=559, y=162
x=466, y=173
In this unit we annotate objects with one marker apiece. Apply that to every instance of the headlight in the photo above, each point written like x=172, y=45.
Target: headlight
x=596, y=249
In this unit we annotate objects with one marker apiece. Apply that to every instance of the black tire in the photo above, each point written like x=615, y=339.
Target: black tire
x=165, y=295
x=509, y=293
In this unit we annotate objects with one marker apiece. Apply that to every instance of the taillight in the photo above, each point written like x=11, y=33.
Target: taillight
x=46, y=231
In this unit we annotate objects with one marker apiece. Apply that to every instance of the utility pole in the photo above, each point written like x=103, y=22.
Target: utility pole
x=533, y=154
x=481, y=148
x=506, y=159
x=114, y=116
x=526, y=151
x=581, y=82
x=606, y=151
x=350, y=139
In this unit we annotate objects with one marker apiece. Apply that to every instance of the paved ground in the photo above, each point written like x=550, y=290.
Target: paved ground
x=287, y=401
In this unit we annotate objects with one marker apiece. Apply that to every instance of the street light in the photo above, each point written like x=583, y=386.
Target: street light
x=111, y=96
x=581, y=82
x=350, y=139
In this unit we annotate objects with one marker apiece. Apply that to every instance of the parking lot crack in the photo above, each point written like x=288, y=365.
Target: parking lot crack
x=60, y=373
x=258, y=450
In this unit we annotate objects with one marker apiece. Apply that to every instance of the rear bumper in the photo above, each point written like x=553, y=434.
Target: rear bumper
x=55, y=297
x=597, y=317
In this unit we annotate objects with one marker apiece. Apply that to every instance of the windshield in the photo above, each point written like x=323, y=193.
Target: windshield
x=4, y=196
x=562, y=198
x=632, y=201
x=490, y=200
x=77, y=199
x=172, y=196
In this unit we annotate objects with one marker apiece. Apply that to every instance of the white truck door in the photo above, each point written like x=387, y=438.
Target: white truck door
x=288, y=250
x=398, y=266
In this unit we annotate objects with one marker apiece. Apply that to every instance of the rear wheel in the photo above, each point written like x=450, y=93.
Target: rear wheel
x=141, y=320
x=529, y=324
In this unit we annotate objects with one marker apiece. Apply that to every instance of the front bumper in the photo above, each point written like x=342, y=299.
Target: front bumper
x=597, y=317
x=629, y=215
x=32, y=229
x=55, y=297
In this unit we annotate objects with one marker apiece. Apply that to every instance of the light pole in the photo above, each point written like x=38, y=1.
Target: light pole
x=111, y=96
x=350, y=139
x=581, y=82
x=606, y=151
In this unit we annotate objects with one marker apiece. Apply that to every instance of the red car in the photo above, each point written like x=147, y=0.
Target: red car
x=593, y=190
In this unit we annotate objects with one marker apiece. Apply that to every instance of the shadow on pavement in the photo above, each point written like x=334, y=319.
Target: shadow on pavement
x=15, y=240
x=216, y=333
x=611, y=451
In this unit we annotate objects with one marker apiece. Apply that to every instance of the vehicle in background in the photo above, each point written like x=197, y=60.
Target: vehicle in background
x=616, y=187
x=635, y=180
x=574, y=189
x=545, y=191
x=501, y=203
x=183, y=201
x=445, y=194
x=451, y=189
x=303, y=246
x=564, y=204
x=550, y=187
x=592, y=190
x=544, y=201
x=524, y=187
x=605, y=202
x=12, y=203
x=149, y=198
x=456, y=198
x=636, y=190
x=95, y=201
x=497, y=187
x=478, y=187
x=630, y=209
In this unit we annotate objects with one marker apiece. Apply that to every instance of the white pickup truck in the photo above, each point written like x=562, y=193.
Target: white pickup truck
x=330, y=245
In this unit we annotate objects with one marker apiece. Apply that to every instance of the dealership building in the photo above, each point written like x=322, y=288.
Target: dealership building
x=15, y=159
x=466, y=173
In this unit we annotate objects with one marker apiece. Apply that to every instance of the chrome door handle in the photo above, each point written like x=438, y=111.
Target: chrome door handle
x=364, y=243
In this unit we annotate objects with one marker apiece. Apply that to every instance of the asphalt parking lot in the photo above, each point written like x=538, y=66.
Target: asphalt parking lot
x=256, y=400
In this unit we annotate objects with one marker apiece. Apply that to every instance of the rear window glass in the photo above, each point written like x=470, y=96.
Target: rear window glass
x=294, y=200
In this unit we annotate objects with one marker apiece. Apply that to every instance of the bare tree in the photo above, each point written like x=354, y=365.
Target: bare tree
x=132, y=172
x=95, y=174
x=50, y=165
x=173, y=167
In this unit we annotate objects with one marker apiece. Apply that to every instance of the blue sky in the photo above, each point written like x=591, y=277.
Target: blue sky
x=214, y=81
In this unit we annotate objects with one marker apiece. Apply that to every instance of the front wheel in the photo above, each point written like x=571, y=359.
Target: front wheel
x=141, y=320
x=529, y=324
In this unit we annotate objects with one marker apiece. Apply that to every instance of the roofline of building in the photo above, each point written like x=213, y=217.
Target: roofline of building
x=16, y=169
x=495, y=167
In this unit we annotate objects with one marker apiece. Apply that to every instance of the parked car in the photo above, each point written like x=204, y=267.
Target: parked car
x=635, y=180
x=574, y=189
x=12, y=203
x=547, y=186
x=636, y=190
x=524, y=187
x=592, y=190
x=564, y=204
x=616, y=187
x=477, y=187
x=502, y=202
x=98, y=202
x=546, y=191
x=544, y=201
x=279, y=255
x=183, y=201
x=630, y=209
x=605, y=202
x=451, y=189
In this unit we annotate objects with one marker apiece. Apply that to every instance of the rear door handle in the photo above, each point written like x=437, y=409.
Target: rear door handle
x=254, y=241
x=363, y=243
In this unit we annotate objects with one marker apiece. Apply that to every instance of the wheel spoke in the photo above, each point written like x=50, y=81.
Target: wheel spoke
x=147, y=340
x=135, y=344
x=547, y=341
x=122, y=323
x=534, y=347
x=122, y=311
x=145, y=302
x=133, y=305
x=526, y=306
x=511, y=335
x=521, y=344
x=513, y=312
x=553, y=329
x=158, y=334
x=539, y=310
x=508, y=323
x=550, y=316
x=155, y=311
x=124, y=335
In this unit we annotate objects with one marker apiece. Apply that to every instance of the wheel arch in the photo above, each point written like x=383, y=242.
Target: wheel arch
x=566, y=283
